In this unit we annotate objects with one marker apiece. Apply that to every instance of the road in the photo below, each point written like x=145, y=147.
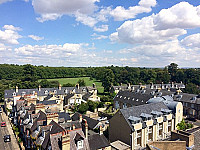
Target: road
x=5, y=131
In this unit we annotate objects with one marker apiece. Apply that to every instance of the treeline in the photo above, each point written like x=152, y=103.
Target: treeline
x=10, y=72
x=26, y=76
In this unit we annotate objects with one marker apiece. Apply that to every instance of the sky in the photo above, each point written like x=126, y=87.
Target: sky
x=81, y=33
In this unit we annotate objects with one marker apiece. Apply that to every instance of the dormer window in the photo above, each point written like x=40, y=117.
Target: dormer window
x=23, y=93
x=80, y=144
x=79, y=141
x=14, y=94
x=65, y=91
x=46, y=92
x=55, y=91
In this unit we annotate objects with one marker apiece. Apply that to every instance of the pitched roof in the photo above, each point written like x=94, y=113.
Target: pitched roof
x=91, y=122
x=136, y=111
x=132, y=98
x=97, y=141
x=42, y=116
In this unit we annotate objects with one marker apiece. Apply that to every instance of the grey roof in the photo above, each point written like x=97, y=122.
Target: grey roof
x=136, y=111
x=91, y=122
x=97, y=141
x=69, y=125
x=48, y=102
x=86, y=96
x=132, y=98
x=64, y=115
x=168, y=101
x=46, y=91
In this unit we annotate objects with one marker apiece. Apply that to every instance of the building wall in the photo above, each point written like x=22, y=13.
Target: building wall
x=167, y=145
x=119, y=129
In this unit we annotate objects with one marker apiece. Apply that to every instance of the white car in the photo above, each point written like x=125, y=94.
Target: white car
x=102, y=118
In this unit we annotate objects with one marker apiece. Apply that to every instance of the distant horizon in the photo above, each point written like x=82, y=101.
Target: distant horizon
x=136, y=33
x=100, y=66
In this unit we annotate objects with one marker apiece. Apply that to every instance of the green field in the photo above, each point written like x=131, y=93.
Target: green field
x=75, y=80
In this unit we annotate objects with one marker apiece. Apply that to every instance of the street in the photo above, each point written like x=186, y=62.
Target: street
x=7, y=131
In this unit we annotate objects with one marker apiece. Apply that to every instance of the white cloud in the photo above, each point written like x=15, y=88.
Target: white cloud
x=143, y=31
x=192, y=41
x=4, y=1
x=85, y=19
x=46, y=17
x=167, y=25
x=181, y=15
x=49, y=50
x=51, y=9
x=98, y=37
x=37, y=38
x=101, y=28
x=120, y=13
x=9, y=35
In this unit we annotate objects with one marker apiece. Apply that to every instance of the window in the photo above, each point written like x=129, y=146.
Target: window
x=14, y=94
x=80, y=144
x=46, y=92
x=192, y=105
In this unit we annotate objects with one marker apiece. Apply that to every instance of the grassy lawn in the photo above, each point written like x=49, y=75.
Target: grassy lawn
x=75, y=80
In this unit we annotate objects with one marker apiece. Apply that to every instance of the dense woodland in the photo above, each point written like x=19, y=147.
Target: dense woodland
x=26, y=76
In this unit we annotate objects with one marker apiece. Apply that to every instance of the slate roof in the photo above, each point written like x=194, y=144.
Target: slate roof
x=91, y=122
x=56, y=91
x=73, y=134
x=56, y=128
x=64, y=115
x=42, y=116
x=48, y=102
x=69, y=125
x=97, y=141
x=136, y=111
x=132, y=98
x=86, y=96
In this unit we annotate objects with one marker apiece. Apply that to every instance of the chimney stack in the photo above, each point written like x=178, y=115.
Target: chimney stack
x=59, y=87
x=93, y=85
x=172, y=85
x=100, y=130
x=85, y=128
x=80, y=118
x=39, y=88
x=151, y=85
x=16, y=89
x=73, y=127
x=77, y=86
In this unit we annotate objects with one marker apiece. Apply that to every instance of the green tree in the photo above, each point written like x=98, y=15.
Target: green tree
x=172, y=69
x=83, y=107
x=81, y=82
x=68, y=85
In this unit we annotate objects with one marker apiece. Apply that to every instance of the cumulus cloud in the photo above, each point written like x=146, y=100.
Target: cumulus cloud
x=98, y=37
x=85, y=19
x=181, y=15
x=101, y=28
x=10, y=34
x=142, y=31
x=49, y=50
x=51, y=9
x=36, y=38
x=192, y=41
x=167, y=25
x=144, y=6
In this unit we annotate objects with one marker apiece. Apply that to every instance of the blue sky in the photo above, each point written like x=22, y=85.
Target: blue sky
x=139, y=33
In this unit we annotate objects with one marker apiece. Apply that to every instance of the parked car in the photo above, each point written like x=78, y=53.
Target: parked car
x=3, y=124
x=7, y=138
x=102, y=118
